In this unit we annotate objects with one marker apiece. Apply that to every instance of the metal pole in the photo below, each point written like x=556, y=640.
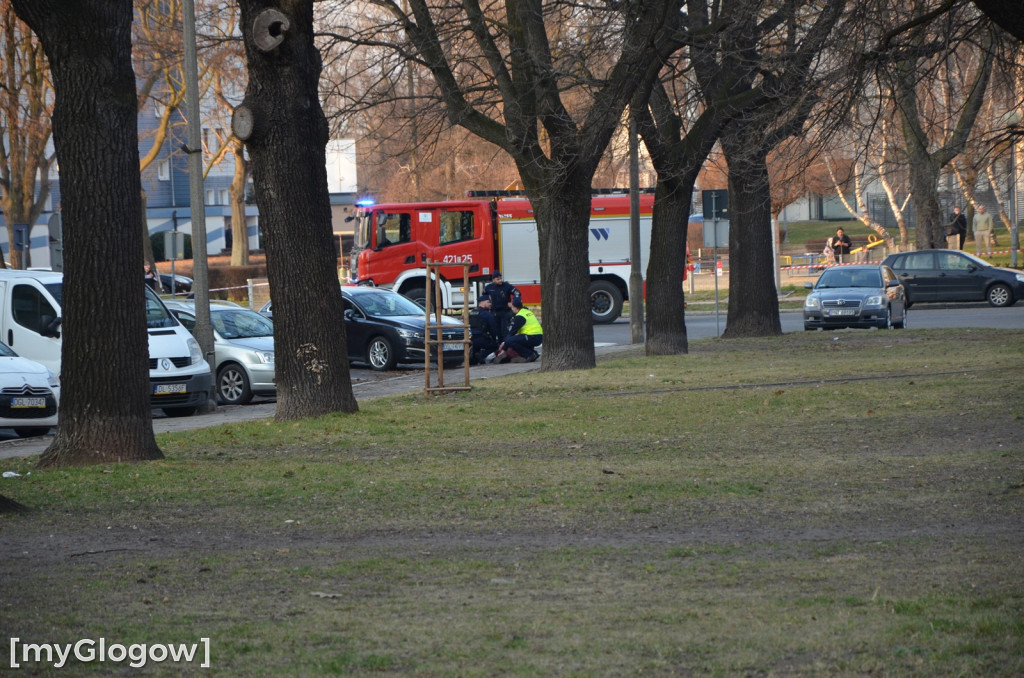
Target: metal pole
x=1014, y=226
x=636, y=278
x=200, y=284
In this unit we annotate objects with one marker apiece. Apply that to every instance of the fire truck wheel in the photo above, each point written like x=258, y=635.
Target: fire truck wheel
x=605, y=302
x=380, y=354
x=417, y=294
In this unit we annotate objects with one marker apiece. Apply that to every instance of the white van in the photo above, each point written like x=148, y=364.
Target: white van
x=30, y=323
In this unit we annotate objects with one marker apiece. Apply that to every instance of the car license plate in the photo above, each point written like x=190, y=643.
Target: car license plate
x=843, y=311
x=164, y=389
x=451, y=347
x=22, y=403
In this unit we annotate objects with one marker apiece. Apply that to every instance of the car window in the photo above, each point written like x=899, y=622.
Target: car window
x=387, y=304
x=835, y=277
x=186, y=319
x=456, y=226
x=897, y=261
x=241, y=323
x=920, y=261
x=30, y=307
x=950, y=261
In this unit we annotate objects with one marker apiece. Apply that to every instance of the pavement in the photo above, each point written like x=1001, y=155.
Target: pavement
x=366, y=385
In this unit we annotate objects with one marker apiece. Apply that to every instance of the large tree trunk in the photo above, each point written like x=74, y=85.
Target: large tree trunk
x=287, y=141
x=666, y=321
x=105, y=413
x=563, y=220
x=929, y=224
x=753, y=299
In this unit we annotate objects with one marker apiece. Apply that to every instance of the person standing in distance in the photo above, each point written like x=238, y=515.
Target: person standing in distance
x=500, y=294
x=840, y=244
x=982, y=227
x=957, y=227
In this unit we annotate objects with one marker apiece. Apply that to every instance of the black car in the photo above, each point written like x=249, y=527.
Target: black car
x=951, y=275
x=865, y=295
x=384, y=328
x=182, y=285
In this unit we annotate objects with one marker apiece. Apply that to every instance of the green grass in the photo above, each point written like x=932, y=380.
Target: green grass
x=834, y=503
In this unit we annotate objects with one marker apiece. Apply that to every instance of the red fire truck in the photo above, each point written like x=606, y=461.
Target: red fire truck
x=494, y=233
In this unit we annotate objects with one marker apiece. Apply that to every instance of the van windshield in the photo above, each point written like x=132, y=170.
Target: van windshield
x=157, y=314
x=55, y=289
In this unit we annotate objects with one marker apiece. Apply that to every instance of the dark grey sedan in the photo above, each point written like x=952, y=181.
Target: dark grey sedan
x=951, y=275
x=865, y=295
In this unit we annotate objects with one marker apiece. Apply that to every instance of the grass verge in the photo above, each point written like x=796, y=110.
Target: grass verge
x=814, y=504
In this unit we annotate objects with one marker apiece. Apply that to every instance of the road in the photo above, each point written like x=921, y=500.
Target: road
x=607, y=338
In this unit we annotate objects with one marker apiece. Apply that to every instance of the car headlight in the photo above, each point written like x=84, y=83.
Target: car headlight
x=812, y=301
x=875, y=301
x=1020, y=277
x=266, y=357
x=410, y=334
x=193, y=351
x=53, y=379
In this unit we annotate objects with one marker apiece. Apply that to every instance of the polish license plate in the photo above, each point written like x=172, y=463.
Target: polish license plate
x=164, y=389
x=843, y=312
x=451, y=347
x=24, y=403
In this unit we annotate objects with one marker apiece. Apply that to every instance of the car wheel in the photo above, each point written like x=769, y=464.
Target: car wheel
x=886, y=324
x=605, y=302
x=1000, y=295
x=233, y=385
x=419, y=295
x=31, y=431
x=902, y=324
x=180, y=411
x=380, y=354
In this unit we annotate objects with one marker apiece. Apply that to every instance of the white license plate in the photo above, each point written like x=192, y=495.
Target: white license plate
x=163, y=389
x=20, y=403
x=451, y=347
x=843, y=311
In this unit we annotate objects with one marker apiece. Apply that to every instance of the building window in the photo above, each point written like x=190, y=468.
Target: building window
x=164, y=171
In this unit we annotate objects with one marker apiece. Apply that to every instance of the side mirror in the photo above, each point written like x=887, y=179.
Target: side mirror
x=51, y=326
x=350, y=314
x=808, y=286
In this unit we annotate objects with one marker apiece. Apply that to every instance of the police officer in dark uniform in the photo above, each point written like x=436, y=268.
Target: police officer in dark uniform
x=483, y=331
x=500, y=294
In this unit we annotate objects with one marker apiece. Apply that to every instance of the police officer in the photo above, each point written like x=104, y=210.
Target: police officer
x=483, y=330
x=500, y=293
x=524, y=334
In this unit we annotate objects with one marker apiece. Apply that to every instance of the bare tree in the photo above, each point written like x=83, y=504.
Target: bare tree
x=935, y=127
x=548, y=84
x=286, y=133
x=105, y=404
x=26, y=101
x=774, y=47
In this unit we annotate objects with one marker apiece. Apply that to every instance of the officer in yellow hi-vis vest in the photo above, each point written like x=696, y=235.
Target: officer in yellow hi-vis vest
x=524, y=333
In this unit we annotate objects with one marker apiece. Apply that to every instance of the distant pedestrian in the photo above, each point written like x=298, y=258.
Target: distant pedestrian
x=500, y=293
x=150, y=275
x=840, y=244
x=982, y=227
x=956, y=228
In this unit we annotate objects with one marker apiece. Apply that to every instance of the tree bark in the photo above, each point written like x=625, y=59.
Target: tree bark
x=105, y=413
x=239, y=227
x=287, y=139
x=753, y=299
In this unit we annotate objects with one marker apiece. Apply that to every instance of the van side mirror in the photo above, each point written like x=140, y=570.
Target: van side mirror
x=50, y=326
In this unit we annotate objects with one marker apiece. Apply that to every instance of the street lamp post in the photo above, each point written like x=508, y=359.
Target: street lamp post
x=1012, y=120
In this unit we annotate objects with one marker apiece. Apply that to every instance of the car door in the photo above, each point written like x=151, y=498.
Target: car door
x=357, y=330
x=33, y=333
x=919, y=275
x=960, y=278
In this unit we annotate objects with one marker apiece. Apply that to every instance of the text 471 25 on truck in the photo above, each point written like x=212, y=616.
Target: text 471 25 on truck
x=392, y=242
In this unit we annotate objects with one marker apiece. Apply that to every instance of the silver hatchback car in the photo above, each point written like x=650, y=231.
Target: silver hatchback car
x=244, y=347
